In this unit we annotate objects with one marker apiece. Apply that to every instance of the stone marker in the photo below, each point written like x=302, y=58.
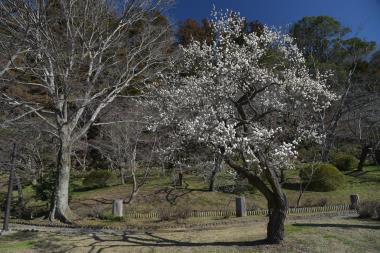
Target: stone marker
x=117, y=208
x=354, y=201
x=241, y=210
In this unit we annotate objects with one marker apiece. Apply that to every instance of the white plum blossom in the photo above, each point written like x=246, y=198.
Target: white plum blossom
x=249, y=96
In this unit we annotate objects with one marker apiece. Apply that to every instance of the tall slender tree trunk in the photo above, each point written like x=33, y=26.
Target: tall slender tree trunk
x=61, y=210
x=7, y=212
x=135, y=187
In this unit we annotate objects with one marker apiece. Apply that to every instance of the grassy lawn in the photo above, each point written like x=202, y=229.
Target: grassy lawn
x=362, y=183
x=325, y=235
x=158, y=194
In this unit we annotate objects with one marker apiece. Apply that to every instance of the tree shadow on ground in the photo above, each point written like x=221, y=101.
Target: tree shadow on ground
x=327, y=225
x=152, y=240
x=173, y=194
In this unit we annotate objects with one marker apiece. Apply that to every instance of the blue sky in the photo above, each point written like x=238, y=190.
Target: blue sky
x=362, y=16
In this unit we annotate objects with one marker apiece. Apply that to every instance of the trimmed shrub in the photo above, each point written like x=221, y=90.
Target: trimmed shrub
x=369, y=209
x=99, y=179
x=345, y=162
x=322, y=177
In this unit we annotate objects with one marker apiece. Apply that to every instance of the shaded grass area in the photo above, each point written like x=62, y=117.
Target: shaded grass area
x=325, y=235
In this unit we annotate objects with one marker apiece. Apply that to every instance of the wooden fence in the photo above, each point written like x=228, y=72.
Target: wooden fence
x=227, y=213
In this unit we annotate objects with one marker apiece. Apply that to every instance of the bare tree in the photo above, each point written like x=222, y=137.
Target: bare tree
x=78, y=56
x=363, y=124
x=305, y=182
x=127, y=145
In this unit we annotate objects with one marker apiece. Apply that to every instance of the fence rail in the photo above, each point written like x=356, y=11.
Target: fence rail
x=226, y=213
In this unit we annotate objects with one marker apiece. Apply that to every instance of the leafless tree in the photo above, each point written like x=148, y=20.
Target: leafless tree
x=78, y=56
x=128, y=146
x=363, y=124
x=350, y=91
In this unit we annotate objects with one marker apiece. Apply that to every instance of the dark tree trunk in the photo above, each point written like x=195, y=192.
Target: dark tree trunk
x=215, y=171
x=277, y=215
x=282, y=176
x=277, y=201
x=363, y=156
x=7, y=212
x=377, y=157
x=180, y=179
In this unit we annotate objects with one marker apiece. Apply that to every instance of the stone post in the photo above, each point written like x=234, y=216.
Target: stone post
x=354, y=201
x=117, y=208
x=241, y=210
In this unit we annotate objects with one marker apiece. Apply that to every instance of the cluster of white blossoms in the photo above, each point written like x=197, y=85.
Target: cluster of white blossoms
x=248, y=95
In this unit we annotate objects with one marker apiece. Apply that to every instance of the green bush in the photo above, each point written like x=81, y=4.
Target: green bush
x=99, y=179
x=322, y=177
x=345, y=162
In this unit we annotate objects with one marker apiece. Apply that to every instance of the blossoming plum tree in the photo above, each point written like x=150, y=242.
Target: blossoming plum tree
x=249, y=97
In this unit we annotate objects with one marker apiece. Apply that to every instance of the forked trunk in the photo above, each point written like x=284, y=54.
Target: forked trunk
x=60, y=209
x=276, y=224
x=135, y=188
